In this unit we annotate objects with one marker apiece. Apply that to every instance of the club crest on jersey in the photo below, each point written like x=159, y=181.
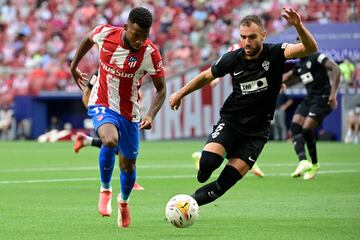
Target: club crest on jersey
x=132, y=61
x=266, y=65
x=100, y=117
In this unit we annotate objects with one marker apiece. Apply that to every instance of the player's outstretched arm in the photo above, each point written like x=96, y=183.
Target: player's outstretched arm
x=80, y=77
x=307, y=45
x=196, y=83
x=156, y=103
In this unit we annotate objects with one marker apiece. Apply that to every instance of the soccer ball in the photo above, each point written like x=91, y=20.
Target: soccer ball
x=182, y=211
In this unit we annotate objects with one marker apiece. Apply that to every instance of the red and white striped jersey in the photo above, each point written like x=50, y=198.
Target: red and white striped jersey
x=121, y=71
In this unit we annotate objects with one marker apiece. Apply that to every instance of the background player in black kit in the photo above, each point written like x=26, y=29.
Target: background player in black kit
x=243, y=129
x=318, y=103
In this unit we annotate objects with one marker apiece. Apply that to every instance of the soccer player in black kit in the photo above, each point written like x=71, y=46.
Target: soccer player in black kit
x=243, y=128
x=315, y=71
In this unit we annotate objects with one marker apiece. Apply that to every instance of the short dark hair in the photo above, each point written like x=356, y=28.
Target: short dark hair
x=141, y=16
x=252, y=19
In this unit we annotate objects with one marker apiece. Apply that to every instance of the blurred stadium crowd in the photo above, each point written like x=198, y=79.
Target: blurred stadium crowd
x=38, y=38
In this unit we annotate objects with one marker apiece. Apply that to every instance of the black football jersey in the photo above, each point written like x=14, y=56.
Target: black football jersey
x=313, y=74
x=256, y=84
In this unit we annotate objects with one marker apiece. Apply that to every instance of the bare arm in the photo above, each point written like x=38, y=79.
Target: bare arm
x=80, y=77
x=214, y=82
x=196, y=83
x=334, y=75
x=307, y=45
x=156, y=103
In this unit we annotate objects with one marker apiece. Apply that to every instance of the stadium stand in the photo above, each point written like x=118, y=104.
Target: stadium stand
x=38, y=38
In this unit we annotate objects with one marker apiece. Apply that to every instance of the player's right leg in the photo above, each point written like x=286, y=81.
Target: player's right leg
x=299, y=140
x=106, y=125
x=213, y=153
x=109, y=135
x=299, y=145
x=211, y=158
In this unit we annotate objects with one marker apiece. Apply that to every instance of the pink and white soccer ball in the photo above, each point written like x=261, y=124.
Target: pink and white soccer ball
x=182, y=211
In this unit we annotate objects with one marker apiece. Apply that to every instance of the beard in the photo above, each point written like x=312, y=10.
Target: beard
x=253, y=51
x=127, y=43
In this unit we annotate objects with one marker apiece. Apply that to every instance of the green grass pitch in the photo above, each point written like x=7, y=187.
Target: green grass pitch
x=48, y=192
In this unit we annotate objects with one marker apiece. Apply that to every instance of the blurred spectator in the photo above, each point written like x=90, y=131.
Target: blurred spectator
x=7, y=123
x=353, y=125
x=279, y=127
x=39, y=37
x=23, y=130
x=347, y=69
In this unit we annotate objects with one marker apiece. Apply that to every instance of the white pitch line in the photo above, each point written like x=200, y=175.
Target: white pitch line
x=154, y=166
x=159, y=177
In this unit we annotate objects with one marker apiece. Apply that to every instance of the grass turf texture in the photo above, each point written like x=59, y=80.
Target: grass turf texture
x=48, y=192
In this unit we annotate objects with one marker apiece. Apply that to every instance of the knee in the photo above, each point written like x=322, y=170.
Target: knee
x=109, y=141
x=210, y=161
x=127, y=165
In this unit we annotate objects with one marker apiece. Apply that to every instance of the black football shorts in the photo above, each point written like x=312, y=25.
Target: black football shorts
x=236, y=144
x=314, y=107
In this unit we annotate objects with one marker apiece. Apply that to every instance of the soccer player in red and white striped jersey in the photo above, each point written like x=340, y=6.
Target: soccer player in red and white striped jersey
x=126, y=55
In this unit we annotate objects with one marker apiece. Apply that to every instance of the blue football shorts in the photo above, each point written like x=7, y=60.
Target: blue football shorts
x=129, y=133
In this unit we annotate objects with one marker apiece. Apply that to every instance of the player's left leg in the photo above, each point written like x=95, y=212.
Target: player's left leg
x=127, y=181
x=309, y=127
x=309, y=135
x=129, y=148
x=317, y=113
